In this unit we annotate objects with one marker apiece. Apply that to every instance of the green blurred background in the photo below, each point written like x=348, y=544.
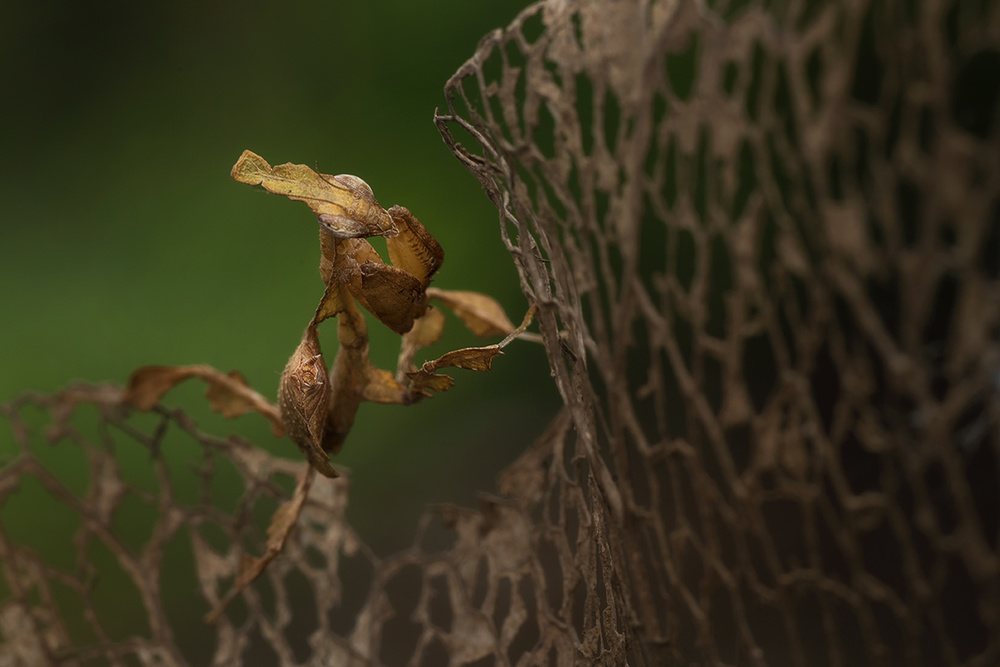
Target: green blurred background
x=124, y=242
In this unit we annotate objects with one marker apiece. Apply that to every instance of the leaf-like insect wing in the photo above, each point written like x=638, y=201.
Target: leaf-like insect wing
x=483, y=315
x=413, y=249
x=303, y=394
x=392, y=295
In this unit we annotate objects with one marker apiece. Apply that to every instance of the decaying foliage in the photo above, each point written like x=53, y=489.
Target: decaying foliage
x=764, y=242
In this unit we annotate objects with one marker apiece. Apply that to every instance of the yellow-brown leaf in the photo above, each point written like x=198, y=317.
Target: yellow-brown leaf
x=483, y=315
x=344, y=204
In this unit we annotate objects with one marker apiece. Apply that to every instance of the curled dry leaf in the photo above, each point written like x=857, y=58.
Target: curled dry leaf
x=483, y=315
x=303, y=397
x=344, y=204
x=229, y=394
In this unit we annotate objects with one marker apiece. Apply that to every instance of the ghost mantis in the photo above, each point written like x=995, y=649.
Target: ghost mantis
x=316, y=406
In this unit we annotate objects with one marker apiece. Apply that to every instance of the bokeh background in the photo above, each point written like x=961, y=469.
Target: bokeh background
x=123, y=241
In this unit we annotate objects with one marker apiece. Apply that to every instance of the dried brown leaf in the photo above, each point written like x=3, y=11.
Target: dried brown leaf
x=482, y=314
x=344, y=204
x=303, y=397
x=228, y=394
